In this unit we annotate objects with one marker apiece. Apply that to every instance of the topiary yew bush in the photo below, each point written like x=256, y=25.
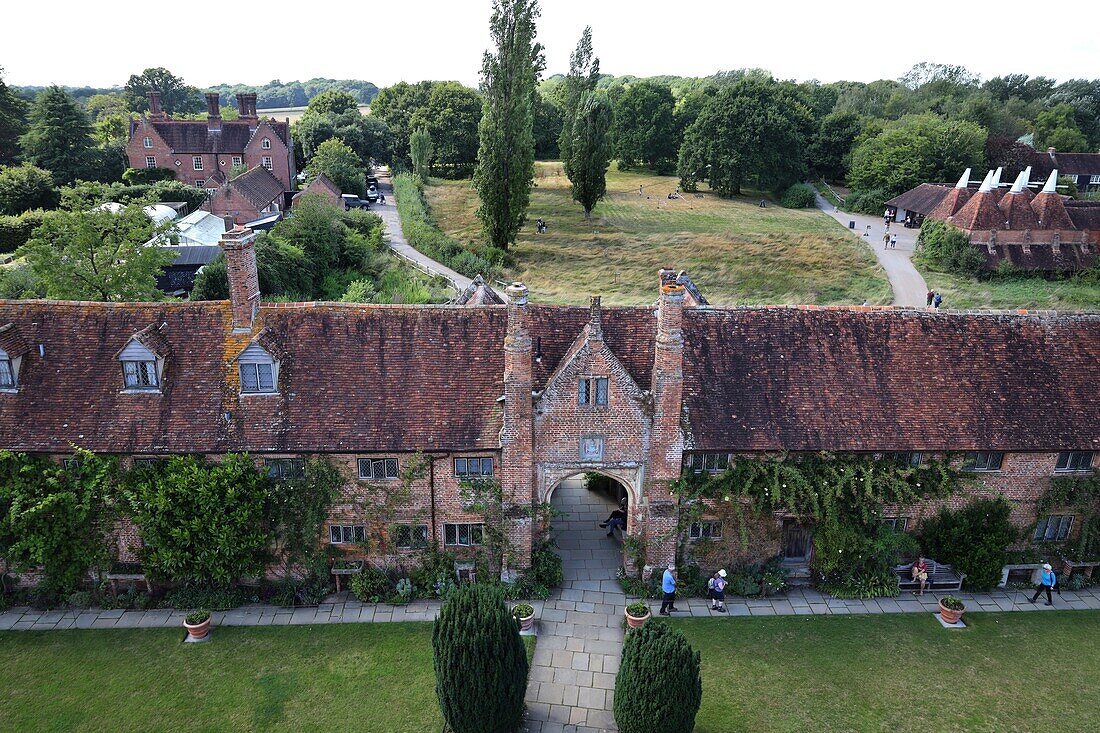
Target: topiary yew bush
x=658, y=688
x=480, y=662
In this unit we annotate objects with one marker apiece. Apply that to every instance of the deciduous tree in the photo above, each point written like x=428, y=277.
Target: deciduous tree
x=644, y=129
x=97, y=255
x=25, y=187
x=1057, y=128
x=451, y=116
x=395, y=105
x=342, y=166
x=420, y=148
x=590, y=151
x=506, y=153
x=176, y=97
x=829, y=154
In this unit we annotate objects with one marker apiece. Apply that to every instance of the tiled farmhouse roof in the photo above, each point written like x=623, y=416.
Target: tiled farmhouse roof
x=854, y=379
x=1041, y=258
x=1068, y=164
x=367, y=378
x=258, y=185
x=193, y=136
x=1084, y=214
x=322, y=185
x=922, y=199
x=478, y=292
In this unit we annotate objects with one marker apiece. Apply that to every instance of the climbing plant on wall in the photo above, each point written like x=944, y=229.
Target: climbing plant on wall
x=1081, y=495
x=843, y=495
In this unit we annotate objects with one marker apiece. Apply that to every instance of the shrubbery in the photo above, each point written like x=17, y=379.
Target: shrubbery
x=658, y=688
x=972, y=540
x=480, y=662
x=424, y=236
x=85, y=195
x=871, y=201
x=947, y=248
x=138, y=176
x=800, y=196
x=16, y=230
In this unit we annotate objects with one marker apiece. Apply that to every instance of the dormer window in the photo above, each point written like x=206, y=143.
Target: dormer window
x=7, y=372
x=141, y=368
x=266, y=143
x=259, y=371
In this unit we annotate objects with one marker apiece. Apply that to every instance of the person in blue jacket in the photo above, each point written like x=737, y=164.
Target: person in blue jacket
x=668, y=587
x=1047, y=581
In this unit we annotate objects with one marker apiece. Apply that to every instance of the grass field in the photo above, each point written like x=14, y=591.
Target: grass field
x=295, y=113
x=362, y=677
x=735, y=251
x=1077, y=293
x=1007, y=672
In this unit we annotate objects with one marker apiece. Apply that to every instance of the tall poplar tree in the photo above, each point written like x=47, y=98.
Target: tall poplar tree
x=584, y=72
x=590, y=152
x=506, y=156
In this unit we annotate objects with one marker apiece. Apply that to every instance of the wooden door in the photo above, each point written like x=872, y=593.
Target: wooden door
x=797, y=541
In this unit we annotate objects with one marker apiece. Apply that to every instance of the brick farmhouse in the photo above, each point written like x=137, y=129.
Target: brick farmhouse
x=532, y=394
x=223, y=156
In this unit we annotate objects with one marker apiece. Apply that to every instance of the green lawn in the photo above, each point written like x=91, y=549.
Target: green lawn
x=1033, y=293
x=1007, y=672
x=361, y=677
x=737, y=252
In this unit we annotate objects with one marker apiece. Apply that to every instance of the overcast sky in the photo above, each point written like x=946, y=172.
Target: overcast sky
x=100, y=43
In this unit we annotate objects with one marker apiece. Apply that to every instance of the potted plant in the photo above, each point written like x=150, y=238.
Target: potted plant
x=637, y=613
x=951, y=609
x=197, y=624
x=525, y=614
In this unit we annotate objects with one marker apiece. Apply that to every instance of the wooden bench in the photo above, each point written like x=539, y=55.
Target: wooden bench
x=940, y=577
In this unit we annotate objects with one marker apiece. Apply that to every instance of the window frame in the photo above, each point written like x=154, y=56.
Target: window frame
x=905, y=459
x=277, y=468
x=705, y=529
x=1063, y=528
x=1069, y=461
x=196, y=162
x=147, y=143
x=370, y=475
x=255, y=364
x=1094, y=180
x=465, y=471
x=266, y=162
x=593, y=391
x=347, y=534
x=150, y=161
x=136, y=368
x=718, y=462
x=8, y=378
x=237, y=160
x=981, y=460
x=456, y=529
x=895, y=522
x=416, y=536
x=265, y=143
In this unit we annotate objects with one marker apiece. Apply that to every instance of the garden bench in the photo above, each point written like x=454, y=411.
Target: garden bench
x=114, y=579
x=940, y=577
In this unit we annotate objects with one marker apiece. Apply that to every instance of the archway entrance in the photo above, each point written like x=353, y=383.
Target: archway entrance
x=589, y=555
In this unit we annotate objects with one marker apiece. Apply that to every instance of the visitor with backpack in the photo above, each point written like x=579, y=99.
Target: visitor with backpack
x=716, y=587
x=1048, y=581
x=931, y=296
x=937, y=300
x=668, y=587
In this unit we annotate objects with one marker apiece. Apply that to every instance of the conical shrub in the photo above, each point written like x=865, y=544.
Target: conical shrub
x=480, y=662
x=658, y=688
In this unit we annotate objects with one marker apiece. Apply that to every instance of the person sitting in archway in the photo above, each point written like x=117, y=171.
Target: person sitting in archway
x=617, y=519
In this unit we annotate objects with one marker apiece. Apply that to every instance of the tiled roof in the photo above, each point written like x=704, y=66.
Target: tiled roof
x=922, y=199
x=478, y=292
x=365, y=378
x=1084, y=214
x=890, y=379
x=1017, y=211
x=1040, y=257
x=193, y=136
x=12, y=341
x=259, y=186
x=980, y=212
x=1076, y=164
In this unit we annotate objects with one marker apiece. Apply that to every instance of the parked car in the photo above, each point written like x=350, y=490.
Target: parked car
x=373, y=181
x=351, y=201
x=372, y=193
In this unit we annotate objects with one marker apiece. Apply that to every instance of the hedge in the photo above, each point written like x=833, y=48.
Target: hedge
x=16, y=230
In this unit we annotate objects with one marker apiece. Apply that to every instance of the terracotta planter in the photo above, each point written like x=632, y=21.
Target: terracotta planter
x=198, y=631
x=949, y=616
x=526, y=622
x=636, y=622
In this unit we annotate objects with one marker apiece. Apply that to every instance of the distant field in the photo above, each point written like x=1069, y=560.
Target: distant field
x=1033, y=293
x=294, y=113
x=737, y=252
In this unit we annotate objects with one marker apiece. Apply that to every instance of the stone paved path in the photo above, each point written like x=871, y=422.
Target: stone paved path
x=908, y=284
x=571, y=688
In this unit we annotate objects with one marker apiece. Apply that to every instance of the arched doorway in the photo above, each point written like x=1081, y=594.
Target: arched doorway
x=581, y=502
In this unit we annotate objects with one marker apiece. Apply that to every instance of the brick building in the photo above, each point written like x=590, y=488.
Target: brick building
x=204, y=153
x=532, y=394
x=1014, y=225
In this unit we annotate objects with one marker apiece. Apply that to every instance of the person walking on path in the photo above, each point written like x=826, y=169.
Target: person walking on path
x=1047, y=581
x=931, y=296
x=668, y=587
x=717, y=587
x=893, y=240
x=885, y=240
x=937, y=301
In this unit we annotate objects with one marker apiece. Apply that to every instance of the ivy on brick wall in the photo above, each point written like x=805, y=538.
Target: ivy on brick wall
x=56, y=516
x=1081, y=494
x=842, y=495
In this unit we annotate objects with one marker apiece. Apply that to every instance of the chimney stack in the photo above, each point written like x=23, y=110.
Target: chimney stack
x=517, y=447
x=595, y=328
x=155, y=112
x=246, y=103
x=213, y=112
x=239, y=248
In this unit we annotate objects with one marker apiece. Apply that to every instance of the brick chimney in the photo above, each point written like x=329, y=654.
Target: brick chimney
x=155, y=111
x=1052, y=153
x=595, y=327
x=246, y=103
x=517, y=437
x=666, y=441
x=239, y=247
x=213, y=112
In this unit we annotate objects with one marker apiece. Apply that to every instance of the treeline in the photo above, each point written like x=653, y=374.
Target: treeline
x=295, y=93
